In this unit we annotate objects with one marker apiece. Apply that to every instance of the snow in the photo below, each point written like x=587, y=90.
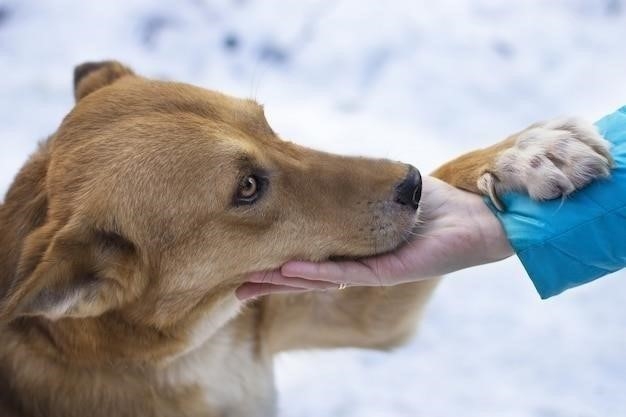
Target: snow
x=416, y=80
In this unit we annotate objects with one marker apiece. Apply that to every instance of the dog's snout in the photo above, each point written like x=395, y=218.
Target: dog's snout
x=409, y=191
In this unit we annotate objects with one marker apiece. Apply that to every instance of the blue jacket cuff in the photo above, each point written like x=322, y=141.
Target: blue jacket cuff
x=563, y=244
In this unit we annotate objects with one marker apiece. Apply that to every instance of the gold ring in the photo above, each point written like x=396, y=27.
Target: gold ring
x=343, y=286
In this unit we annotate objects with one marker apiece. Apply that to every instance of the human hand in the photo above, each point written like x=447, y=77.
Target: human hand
x=459, y=231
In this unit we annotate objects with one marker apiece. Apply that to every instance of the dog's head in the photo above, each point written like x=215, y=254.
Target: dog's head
x=162, y=196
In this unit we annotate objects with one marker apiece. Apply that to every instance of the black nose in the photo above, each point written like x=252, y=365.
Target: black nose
x=409, y=191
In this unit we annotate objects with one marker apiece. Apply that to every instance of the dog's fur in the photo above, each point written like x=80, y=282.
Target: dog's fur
x=121, y=249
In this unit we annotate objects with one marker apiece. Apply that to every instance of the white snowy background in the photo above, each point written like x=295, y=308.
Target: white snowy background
x=415, y=80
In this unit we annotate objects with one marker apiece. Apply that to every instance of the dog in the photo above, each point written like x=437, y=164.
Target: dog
x=125, y=235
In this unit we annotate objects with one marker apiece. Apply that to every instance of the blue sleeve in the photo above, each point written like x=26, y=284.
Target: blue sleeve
x=563, y=244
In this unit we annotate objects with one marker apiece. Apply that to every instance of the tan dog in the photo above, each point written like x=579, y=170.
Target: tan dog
x=124, y=237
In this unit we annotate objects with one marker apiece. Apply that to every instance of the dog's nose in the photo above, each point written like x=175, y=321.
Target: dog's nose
x=409, y=191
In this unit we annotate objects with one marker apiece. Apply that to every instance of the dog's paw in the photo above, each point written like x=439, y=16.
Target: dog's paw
x=549, y=160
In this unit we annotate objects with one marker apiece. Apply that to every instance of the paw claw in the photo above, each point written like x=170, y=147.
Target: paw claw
x=549, y=160
x=487, y=184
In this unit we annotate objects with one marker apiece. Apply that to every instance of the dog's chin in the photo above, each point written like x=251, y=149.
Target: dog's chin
x=399, y=240
x=403, y=237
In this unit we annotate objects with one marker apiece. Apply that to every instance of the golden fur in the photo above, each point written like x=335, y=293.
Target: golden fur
x=120, y=250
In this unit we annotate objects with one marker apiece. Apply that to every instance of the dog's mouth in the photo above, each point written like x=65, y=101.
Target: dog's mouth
x=264, y=283
x=274, y=282
x=404, y=238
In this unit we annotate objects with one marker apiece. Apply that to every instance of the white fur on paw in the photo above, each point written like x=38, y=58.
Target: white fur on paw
x=549, y=160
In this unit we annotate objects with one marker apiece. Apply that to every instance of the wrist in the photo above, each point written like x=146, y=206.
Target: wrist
x=496, y=245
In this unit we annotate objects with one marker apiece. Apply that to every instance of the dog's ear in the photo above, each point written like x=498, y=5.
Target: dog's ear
x=73, y=274
x=91, y=76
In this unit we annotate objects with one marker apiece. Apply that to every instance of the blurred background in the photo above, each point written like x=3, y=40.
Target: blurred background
x=415, y=80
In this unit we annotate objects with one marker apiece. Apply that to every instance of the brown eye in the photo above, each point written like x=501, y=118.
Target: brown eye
x=249, y=189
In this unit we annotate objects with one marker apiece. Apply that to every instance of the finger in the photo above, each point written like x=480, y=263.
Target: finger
x=265, y=276
x=251, y=290
x=345, y=272
x=275, y=277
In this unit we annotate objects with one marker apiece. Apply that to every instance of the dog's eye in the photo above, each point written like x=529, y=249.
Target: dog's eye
x=249, y=190
x=248, y=187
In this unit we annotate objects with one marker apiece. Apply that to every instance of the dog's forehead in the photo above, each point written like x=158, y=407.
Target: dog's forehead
x=237, y=120
x=158, y=105
x=175, y=97
x=138, y=98
x=135, y=97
